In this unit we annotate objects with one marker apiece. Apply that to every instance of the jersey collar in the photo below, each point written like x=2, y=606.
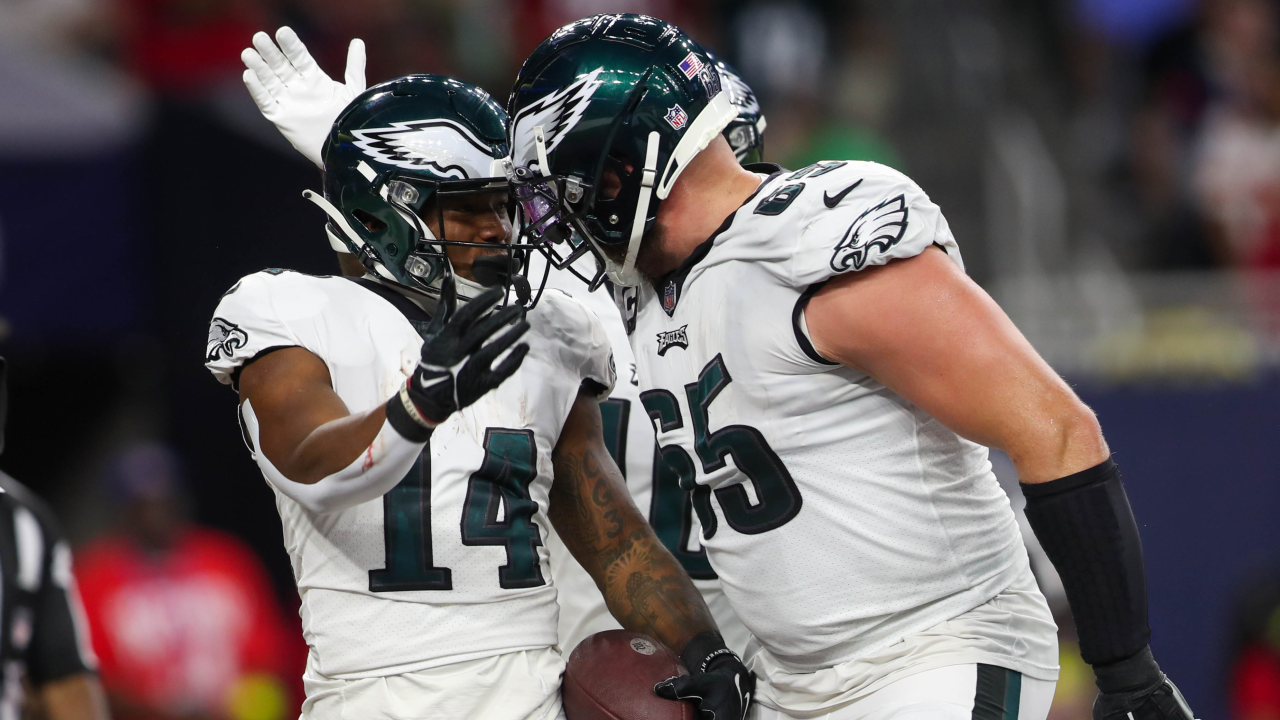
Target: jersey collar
x=670, y=287
x=416, y=316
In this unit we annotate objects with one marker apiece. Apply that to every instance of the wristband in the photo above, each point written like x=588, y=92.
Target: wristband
x=405, y=419
x=1129, y=674
x=703, y=649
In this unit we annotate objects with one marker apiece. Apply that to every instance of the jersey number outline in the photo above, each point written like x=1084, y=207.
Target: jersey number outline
x=778, y=497
x=675, y=495
x=502, y=482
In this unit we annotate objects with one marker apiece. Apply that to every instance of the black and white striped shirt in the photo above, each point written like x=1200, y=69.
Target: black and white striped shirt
x=43, y=631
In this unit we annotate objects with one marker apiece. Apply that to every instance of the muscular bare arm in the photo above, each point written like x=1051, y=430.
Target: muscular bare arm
x=926, y=331
x=304, y=428
x=643, y=585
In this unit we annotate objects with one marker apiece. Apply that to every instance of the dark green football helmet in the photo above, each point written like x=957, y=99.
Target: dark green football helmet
x=629, y=93
x=745, y=132
x=394, y=156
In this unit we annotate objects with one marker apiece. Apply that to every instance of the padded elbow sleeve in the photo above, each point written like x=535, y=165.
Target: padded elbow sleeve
x=1087, y=529
x=378, y=469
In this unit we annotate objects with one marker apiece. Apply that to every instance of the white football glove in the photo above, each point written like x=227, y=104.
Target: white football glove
x=294, y=93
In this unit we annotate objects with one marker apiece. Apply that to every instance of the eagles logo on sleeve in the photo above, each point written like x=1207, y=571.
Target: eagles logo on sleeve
x=877, y=229
x=225, y=337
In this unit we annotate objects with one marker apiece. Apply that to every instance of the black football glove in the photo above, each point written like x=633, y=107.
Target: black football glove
x=1135, y=689
x=718, y=683
x=457, y=362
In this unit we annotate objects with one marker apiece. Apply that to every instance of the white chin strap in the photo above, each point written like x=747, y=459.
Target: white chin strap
x=713, y=119
x=467, y=289
x=336, y=242
x=626, y=274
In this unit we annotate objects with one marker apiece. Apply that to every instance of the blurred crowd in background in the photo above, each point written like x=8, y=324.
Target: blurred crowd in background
x=1111, y=169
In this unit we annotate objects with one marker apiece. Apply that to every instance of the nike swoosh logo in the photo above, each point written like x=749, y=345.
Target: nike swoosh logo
x=833, y=200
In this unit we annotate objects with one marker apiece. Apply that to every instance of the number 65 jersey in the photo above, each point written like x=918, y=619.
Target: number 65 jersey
x=839, y=517
x=450, y=565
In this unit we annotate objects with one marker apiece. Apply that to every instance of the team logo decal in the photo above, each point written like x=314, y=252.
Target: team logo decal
x=669, y=298
x=673, y=338
x=690, y=65
x=438, y=145
x=557, y=113
x=225, y=337
x=877, y=229
x=677, y=117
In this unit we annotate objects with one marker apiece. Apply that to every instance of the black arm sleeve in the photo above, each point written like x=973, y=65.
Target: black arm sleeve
x=1087, y=529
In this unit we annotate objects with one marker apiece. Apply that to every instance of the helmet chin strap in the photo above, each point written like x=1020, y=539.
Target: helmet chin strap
x=626, y=274
x=341, y=222
x=713, y=119
x=467, y=289
x=335, y=242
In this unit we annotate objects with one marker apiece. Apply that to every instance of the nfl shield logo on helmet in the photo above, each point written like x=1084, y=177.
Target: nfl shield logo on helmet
x=690, y=65
x=677, y=117
x=669, y=298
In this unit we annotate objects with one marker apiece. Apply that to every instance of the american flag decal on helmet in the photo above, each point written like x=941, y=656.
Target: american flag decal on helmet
x=690, y=65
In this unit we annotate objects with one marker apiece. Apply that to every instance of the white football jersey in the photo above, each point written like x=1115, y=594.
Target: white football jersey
x=839, y=517
x=632, y=443
x=451, y=564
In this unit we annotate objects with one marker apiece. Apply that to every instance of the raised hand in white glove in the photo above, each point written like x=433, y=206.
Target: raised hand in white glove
x=294, y=93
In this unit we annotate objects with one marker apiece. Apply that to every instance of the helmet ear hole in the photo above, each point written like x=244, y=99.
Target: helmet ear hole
x=371, y=223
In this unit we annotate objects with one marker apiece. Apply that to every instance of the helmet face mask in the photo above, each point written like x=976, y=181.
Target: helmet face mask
x=404, y=163
x=546, y=205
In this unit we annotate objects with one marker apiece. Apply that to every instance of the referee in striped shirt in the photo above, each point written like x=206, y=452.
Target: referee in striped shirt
x=44, y=642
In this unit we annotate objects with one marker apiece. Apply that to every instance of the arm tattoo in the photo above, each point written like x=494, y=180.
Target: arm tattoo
x=643, y=585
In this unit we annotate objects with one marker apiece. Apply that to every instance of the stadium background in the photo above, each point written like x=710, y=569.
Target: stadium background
x=1111, y=169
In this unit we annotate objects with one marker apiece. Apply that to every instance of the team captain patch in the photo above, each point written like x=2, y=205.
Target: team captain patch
x=673, y=338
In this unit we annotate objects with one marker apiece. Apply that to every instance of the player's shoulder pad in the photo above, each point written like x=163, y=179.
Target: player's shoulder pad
x=253, y=317
x=855, y=214
x=576, y=338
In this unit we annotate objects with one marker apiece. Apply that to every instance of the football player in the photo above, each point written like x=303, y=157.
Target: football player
x=303, y=107
x=411, y=432
x=651, y=482
x=824, y=378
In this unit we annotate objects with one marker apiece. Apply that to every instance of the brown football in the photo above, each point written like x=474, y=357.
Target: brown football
x=611, y=677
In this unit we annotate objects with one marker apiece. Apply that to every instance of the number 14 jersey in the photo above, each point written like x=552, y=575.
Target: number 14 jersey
x=839, y=517
x=450, y=565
